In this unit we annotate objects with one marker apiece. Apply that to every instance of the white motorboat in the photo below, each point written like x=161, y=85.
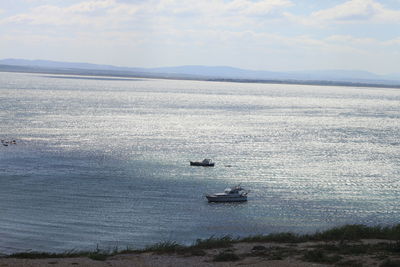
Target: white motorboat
x=234, y=194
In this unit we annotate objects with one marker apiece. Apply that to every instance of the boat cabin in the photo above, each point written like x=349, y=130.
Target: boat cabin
x=207, y=161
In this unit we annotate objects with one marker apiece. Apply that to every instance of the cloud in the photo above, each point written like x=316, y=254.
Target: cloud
x=358, y=11
x=55, y=16
x=191, y=23
x=113, y=11
x=349, y=12
x=90, y=6
x=246, y=7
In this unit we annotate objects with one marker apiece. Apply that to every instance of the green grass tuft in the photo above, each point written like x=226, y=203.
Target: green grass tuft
x=164, y=247
x=358, y=231
x=94, y=255
x=98, y=256
x=45, y=255
x=278, y=237
x=213, y=242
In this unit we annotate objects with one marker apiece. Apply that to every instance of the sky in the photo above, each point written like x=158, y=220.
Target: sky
x=275, y=35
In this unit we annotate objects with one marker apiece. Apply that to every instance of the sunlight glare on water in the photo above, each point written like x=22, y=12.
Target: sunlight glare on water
x=106, y=160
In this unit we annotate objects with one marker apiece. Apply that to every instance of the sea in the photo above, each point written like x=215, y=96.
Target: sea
x=103, y=162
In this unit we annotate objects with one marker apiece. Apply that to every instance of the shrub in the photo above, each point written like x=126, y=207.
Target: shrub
x=278, y=237
x=213, y=242
x=164, y=247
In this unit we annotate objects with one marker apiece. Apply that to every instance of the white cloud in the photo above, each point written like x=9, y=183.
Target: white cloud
x=90, y=6
x=264, y=7
x=358, y=11
x=116, y=12
x=78, y=14
x=351, y=11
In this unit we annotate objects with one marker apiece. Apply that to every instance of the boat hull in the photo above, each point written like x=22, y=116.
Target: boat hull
x=194, y=163
x=211, y=198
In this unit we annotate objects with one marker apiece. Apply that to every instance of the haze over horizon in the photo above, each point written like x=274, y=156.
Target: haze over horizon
x=275, y=35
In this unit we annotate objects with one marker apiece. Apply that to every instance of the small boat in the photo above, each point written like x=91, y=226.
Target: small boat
x=234, y=194
x=204, y=163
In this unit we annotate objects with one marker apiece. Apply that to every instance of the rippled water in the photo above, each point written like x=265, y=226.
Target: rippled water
x=106, y=161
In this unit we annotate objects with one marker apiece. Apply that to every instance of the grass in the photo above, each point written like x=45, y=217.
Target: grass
x=360, y=249
x=195, y=249
x=278, y=238
x=358, y=231
x=348, y=232
x=94, y=255
x=213, y=242
x=42, y=255
x=164, y=247
x=99, y=255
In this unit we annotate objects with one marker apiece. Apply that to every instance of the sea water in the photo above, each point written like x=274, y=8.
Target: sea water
x=103, y=161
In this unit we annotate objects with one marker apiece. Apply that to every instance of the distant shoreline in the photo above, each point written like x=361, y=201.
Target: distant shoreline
x=122, y=74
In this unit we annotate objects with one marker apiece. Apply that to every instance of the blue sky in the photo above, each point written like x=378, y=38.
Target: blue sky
x=278, y=35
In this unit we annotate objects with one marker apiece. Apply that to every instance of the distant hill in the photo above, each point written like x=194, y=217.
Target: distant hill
x=320, y=75
x=203, y=73
x=60, y=65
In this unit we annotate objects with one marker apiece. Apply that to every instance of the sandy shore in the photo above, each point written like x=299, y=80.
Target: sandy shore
x=368, y=252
